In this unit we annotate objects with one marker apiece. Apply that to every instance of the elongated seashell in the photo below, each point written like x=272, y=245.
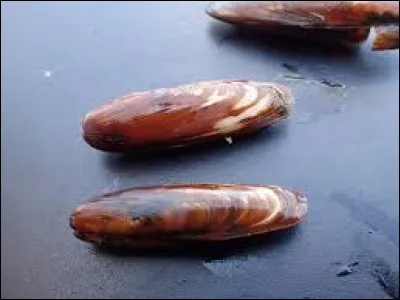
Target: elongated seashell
x=337, y=21
x=172, y=214
x=186, y=114
x=307, y=14
x=387, y=38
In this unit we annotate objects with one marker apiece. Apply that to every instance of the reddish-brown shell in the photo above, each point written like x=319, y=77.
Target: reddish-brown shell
x=170, y=214
x=387, y=38
x=307, y=14
x=344, y=21
x=185, y=114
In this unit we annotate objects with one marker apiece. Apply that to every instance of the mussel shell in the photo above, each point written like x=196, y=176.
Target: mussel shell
x=387, y=38
x=179, y=116
x=306, y=14
x=168, y=215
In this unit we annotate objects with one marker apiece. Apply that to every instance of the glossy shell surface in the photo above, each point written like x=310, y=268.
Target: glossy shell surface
x=170, y=214
x=330, y=21
x=307, y=14
x=198, y=112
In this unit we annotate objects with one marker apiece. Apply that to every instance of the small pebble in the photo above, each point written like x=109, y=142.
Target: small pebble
x=347, y=269
x=344, y=271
